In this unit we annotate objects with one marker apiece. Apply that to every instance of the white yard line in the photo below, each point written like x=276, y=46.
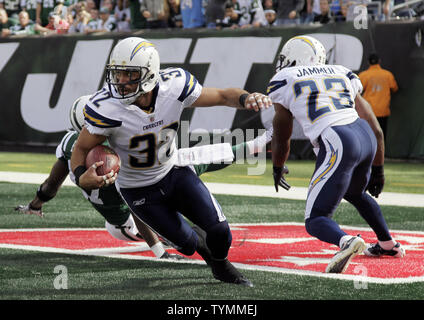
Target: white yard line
x=296, y=193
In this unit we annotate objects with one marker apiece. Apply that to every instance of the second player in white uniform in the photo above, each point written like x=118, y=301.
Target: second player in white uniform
x=326, y=101
x=297, y=87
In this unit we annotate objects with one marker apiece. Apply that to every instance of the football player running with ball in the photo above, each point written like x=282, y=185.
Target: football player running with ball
x=119, y=221
x=138, y=112
x=326, y=101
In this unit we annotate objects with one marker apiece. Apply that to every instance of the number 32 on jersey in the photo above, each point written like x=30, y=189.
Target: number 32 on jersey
x=150, y=150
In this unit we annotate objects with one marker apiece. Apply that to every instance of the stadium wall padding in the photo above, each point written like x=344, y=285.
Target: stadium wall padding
x=40, y=77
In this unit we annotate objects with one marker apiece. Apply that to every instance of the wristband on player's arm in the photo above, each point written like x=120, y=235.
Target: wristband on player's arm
x=78, y=172
x=242, y=99
x=42, y=196
x=377, y=170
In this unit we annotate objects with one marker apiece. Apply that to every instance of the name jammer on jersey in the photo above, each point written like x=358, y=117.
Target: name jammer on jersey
x=315, y=70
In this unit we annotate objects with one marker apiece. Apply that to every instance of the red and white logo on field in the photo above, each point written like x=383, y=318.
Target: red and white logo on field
x=282, y=247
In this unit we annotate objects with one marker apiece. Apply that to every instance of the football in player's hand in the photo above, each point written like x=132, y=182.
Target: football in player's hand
x=110, y=158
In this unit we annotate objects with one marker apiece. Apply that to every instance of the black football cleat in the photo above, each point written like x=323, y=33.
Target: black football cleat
x=202, y=249
x=375, y=250
x=222, y=270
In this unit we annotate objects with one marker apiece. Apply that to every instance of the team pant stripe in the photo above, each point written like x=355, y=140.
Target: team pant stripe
x=220, y=213
x=334, y=153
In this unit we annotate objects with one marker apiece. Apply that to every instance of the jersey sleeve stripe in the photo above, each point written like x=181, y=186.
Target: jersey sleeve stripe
x=274, y=85
x=351, y=75
x=68, y=144
x=189, y=86
x=97, y=120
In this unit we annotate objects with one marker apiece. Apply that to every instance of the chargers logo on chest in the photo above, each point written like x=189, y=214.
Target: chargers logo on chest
x=153, y=124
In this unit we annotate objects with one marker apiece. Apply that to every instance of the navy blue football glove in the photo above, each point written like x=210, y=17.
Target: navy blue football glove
x=279, y=180
x=376, y=183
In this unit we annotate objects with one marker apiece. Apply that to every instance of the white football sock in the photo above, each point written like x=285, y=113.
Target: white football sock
x=344, y=239
x=158, y=249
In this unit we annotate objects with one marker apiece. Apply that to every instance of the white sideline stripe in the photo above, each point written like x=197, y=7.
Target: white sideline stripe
x=359, y=279
x=112, y=254
x=295, y=193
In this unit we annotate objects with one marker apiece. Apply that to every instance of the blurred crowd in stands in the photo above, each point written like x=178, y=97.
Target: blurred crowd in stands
x=46, y=17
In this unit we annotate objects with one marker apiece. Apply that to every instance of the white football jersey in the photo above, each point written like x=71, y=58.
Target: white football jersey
x=317, y=96
x=144, y=140
x=248, y=8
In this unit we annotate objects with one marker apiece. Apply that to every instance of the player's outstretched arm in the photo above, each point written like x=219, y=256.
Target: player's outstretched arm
x=47, y=189
x=232, y=97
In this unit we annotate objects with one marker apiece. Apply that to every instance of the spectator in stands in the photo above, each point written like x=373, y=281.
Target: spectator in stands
x=270, y=16
x=82, y=17
x=25, y=26
x=325, y=15
x=30, y=6
x=316, y=8
x=343, y=13
x=192, y=13
x=154, y=13
x=251, y=13
x=44, y=7
x=378, y=85
x=214, y=13
x=6, y=23
x=12, y=7
x=105, y=23
x=94, y=16
x=56, y=25
x=90, y=5
x=137, y=19
x=122, y=16
x=110, y=4
x=70, y=19
x=231, y=17
x=306, y=14
x=288, y=12
x=336, y=10
x=175, y=19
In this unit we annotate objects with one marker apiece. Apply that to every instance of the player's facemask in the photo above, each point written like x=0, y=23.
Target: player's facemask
x=126, y=82
x=283, y=62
